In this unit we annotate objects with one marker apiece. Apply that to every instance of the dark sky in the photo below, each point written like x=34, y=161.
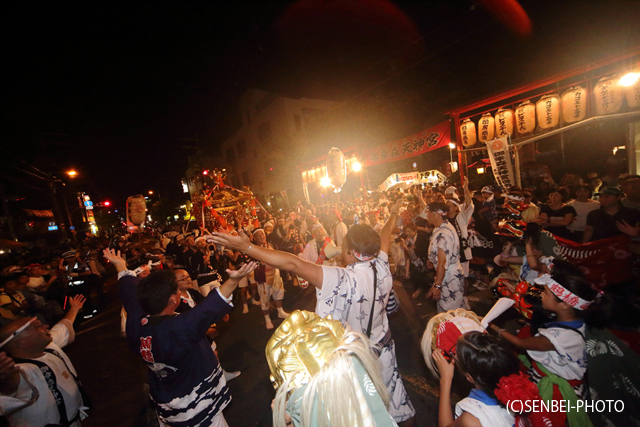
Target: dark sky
x=113, y=90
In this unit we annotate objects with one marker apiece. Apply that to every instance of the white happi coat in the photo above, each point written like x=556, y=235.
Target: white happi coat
x=346, y=295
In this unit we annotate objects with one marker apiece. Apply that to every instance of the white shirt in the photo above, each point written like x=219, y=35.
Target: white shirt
x=35, y=282
x=347, y=292
x=44, y=410
x=582, y=210
x=338, y=232
x=569, y=360
x=488, y=415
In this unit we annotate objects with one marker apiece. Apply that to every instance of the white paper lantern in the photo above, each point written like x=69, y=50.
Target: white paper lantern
x=574, y=104
x=504, y=122
x=548, y=111
x=525, y=118
x=486, y=127
x=468, y=133
x=608, y=95
x=137, y=209
x=336, y=168
x=633, y=95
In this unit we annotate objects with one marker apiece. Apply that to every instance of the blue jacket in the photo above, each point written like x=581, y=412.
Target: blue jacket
x=184, y=373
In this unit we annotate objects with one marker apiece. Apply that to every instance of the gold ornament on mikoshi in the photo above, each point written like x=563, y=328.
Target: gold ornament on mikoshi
x=633, y=95
x=574, y=104
x=468, y=133
x=525, y=118
x=504, y=122
x=608, y=95
x=336, y=168
x=548, y=111
x=300, y=346
x=486, y=127
x=137, y=209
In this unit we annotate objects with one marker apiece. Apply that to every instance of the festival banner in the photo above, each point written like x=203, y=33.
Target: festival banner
x=501, y=163
x=603, y=262
x=435, y=137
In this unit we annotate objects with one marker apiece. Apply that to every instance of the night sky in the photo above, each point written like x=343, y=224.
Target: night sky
x=119, y=91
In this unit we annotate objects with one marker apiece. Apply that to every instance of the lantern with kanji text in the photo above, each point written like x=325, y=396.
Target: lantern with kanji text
x=504, y=122
x=336, y=168
x=608, y=95
x=468, y=133
x=574, y=104
x=486, y=127
x=525, y=118
x=548, y=111
x=633, y=95
x=136, y=209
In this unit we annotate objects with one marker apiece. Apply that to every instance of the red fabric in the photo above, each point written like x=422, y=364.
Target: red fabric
x=603, y=262
x=630, y=338
x=447, y=337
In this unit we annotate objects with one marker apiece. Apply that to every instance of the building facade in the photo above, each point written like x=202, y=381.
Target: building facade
x=265, y=153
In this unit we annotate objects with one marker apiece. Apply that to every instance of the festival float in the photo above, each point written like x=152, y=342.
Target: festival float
x=220, y=206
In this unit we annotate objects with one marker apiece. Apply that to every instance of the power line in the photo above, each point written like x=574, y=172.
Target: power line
x=19, y=181
x=25, y=171
x=28, y=164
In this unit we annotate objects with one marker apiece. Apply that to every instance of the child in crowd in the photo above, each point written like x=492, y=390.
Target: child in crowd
x=558, y=350
x=483, y=360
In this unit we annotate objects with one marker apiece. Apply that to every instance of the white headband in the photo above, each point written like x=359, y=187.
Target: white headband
x=361, y=257
x=563, y=293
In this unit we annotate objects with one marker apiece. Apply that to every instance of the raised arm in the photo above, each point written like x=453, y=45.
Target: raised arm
x=385, y=233
x=282, y=260
x=468, y=199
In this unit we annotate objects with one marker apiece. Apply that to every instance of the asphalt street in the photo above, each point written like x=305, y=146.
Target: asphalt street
x=115, y=377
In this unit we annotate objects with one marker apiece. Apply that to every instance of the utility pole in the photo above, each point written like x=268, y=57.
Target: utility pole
x=5, y=207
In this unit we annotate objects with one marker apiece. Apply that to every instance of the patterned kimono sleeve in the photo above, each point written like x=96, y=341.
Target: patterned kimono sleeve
x=335, y=284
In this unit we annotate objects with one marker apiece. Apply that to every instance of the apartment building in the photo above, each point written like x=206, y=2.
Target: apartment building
x=265, y=153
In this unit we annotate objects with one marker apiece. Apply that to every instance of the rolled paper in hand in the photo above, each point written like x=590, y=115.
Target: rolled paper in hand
x=502, y=305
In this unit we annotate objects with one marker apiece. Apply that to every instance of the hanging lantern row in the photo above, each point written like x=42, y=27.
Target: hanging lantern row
x=550, y=111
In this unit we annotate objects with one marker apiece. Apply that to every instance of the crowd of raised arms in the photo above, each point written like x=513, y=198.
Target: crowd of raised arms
x=575, y=337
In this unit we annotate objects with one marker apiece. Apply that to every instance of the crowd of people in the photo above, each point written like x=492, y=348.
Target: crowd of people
x=441, y=243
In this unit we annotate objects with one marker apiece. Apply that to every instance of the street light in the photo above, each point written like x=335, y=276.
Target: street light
x=629, y=79
x=150, y=192
x=72, y=173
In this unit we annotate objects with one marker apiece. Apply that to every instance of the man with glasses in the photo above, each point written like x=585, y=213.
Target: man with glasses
x=38, y=383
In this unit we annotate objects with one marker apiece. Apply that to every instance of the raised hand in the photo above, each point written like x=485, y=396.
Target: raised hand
x=240, y=242
x=77, y=301
x=114, y=258
x=242, y=271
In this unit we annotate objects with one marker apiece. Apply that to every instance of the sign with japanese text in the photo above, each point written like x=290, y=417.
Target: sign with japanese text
x=501, y=163
x=435, y=137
